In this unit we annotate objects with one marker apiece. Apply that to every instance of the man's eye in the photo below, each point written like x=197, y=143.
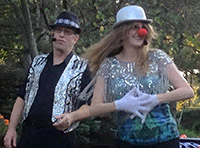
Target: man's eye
x=58, y=29
x=67, y=31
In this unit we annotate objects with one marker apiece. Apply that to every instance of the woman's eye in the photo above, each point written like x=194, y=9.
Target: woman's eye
x=136, y=27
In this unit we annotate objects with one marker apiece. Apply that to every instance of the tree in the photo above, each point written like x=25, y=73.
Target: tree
x=25, y=32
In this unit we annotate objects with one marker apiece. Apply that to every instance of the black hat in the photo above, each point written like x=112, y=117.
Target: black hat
x=67, y=19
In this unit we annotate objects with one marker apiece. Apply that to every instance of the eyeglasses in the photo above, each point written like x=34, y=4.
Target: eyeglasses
x=65, y=31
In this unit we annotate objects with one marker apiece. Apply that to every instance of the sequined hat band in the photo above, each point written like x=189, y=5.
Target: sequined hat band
x=67, y=22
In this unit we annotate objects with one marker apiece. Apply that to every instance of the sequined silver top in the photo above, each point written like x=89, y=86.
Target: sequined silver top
x=120, y=77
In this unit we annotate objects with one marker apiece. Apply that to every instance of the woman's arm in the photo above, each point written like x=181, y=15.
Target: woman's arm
x=127, y=103
x=182, y=88
x=98, y=107
x=85, y=111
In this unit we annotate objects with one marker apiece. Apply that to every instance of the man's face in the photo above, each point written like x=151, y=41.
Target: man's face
x=65, y=37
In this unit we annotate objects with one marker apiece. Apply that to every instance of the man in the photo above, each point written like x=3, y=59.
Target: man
x=52, y=87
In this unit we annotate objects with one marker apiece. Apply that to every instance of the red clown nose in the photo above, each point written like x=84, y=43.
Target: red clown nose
x=142, y=32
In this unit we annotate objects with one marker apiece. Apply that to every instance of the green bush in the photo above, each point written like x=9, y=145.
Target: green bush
x=189, y=133
x=190, y=123
x=3, y=128
x=95, y=131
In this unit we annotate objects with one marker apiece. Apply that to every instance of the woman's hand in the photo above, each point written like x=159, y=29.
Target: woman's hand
x=134, y=103
x=152, y=102
x=152, y=99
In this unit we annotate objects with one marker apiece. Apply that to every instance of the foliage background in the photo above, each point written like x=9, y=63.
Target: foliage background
x=25, y=32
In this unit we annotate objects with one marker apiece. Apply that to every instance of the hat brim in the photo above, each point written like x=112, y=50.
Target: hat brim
x=117, y=24
x=78, y=30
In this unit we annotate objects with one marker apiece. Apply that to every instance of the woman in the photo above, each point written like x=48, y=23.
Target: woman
x=123, y=60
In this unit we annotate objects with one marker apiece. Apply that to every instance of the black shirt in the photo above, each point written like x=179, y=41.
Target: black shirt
x=41, y=109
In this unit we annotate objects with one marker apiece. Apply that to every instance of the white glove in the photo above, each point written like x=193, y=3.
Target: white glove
x=152, y=102
x=153, y=99
x=130, y=103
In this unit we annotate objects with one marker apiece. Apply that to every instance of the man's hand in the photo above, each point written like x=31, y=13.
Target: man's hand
x=64, y=121
x=133, y=104
x=10, y=138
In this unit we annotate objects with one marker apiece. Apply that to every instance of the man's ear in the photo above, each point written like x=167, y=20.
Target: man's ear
x=76, y=38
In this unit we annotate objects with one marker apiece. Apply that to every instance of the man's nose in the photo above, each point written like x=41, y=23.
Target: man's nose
x=62, y=32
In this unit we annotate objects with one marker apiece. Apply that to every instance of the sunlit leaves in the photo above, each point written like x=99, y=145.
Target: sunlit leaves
x=101, y=29
x=194, y=102
x=3, y=54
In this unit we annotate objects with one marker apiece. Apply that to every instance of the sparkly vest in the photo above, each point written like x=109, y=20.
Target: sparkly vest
x=66, y=91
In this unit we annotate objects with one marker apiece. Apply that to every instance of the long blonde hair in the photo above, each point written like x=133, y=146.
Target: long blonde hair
x=111, y=45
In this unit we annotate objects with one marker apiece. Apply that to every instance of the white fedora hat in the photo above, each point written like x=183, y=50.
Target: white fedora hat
x=131, y=13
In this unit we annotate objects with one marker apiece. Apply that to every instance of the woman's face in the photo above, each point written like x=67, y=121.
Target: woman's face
x=133, y=39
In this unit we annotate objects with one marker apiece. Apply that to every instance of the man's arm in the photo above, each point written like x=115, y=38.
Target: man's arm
x=11, y=135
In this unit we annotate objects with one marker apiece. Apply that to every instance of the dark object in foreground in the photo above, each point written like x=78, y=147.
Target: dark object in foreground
x=189, y=142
